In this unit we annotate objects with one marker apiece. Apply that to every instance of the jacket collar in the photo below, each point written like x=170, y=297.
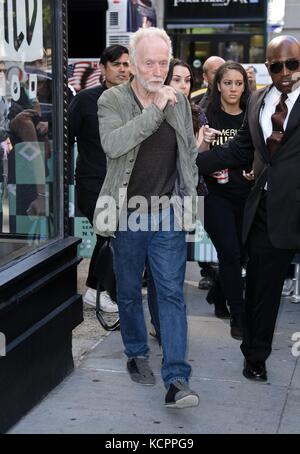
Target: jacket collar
x=259, y=104
x=170, y=112
x=294, y=120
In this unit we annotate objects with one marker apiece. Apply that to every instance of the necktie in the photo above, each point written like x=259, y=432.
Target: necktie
x=277, y=118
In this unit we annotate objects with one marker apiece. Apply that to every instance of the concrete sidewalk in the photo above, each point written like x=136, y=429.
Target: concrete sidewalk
x=99, y=397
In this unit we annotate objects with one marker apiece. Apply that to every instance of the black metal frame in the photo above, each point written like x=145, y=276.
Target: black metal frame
x=60, y=117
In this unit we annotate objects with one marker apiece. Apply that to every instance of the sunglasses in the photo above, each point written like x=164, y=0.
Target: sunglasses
x=292, y=65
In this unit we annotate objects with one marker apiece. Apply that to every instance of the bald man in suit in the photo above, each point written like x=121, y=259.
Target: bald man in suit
x=270, y=137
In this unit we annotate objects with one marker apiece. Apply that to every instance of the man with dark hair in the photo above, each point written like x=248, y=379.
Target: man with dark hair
x=91, y=162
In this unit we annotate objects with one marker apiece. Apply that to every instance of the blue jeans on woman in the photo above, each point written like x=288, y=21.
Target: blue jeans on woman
x=166, y=254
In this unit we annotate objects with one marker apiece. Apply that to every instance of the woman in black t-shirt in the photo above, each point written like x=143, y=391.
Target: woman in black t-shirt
x=227, y=193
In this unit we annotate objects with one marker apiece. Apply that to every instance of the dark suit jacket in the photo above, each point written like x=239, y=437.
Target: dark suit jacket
x=281, y=171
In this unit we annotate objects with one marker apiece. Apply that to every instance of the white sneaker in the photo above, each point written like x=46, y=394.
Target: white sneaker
x=288, y=287
x=107, y=304
x=90, y=297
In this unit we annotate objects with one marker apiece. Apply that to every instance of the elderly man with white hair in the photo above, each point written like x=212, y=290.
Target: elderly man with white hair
x=147, y=134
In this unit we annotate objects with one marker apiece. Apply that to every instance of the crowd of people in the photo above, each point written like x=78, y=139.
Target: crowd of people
x=147, y=152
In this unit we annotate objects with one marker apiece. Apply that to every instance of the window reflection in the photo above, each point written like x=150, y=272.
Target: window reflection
x=26, y=135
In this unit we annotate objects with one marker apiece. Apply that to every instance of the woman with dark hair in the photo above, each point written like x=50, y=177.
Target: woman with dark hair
x=180, y=77
x=227, y=193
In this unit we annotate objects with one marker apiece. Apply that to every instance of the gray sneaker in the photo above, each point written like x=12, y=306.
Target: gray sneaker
x=179, y=395
x=140, y=372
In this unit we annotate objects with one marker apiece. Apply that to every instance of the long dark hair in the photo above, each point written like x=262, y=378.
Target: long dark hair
x=195, y=109
x=178, y=62
x=215, y=105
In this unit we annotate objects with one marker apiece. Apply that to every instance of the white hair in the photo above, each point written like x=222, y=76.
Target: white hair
x=150, y=32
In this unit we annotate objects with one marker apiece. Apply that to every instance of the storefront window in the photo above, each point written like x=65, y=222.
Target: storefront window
x=244, y=44
x=257, y=51
x=28, y=156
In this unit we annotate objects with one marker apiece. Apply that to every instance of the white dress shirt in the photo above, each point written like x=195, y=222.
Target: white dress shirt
x=268, y=108
x=270, y=102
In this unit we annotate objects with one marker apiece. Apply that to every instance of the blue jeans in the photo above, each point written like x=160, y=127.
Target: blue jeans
x=166, y=254
x=152, y=303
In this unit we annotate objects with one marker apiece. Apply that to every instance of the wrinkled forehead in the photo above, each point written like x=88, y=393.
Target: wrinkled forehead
x=154, y=49
x=283, y=51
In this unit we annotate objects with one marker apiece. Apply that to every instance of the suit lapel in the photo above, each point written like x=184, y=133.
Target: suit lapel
x=293, y=122
x=259, y=104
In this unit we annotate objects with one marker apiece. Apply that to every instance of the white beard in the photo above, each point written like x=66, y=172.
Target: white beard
x=150, y=87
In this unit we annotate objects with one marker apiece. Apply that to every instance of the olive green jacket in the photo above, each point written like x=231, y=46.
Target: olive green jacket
x=122, y=129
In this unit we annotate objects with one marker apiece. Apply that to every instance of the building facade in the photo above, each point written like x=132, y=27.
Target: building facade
x=291, y=24
x=39, y=304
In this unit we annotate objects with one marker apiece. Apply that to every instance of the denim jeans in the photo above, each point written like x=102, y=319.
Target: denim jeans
x=166, y=254
x=152, y=303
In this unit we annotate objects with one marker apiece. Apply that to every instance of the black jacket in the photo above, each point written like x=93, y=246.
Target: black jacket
x=281, y=171
x=83, y=125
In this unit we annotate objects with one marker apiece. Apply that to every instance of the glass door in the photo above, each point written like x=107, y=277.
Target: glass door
x=195, y=49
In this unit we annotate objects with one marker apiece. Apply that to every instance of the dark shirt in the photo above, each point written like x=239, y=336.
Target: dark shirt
x=83, y=124
x=155, y=170
x=205, y=100
x=237, y=185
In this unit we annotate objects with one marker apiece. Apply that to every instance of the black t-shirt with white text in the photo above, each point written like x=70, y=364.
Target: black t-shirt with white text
x=237, y=186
